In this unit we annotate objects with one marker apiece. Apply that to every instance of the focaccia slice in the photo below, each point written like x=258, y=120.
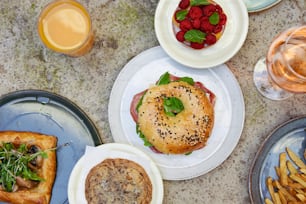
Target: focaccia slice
x=26, y=192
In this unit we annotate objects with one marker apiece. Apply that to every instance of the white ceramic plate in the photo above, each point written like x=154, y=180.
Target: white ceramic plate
x=226, y=47
x=95, y=155
x=143, y=71
x=260, y=5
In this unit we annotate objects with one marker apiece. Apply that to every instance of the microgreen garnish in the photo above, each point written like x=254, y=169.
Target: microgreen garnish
x=173, y=106
x=195, y=35
x=14, y=162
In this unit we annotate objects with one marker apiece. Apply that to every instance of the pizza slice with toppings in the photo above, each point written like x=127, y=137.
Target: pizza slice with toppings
x=27, y=167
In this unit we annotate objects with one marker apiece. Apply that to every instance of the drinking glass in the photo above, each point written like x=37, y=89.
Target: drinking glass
x=65, y=26
x=282, y=72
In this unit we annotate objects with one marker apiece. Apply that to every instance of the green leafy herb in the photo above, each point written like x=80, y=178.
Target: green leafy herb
x=181, y=15
x=194, y=35
x=164, y=79
x=188, y=153
x=188, y=80
x=139, y=103
x=214, y=18
x=142, y=136
x=199, y=2
x=14, y=162
x=173, y=106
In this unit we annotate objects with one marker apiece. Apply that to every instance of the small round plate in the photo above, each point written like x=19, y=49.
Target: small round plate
x=49, y=113
x=144, y=70
x=291, y=134
x=95, y=155
x=260, y=5
x=227, y=46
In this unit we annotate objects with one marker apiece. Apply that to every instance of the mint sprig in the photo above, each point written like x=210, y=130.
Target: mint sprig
x=194, y=35
x=214, y=18
x=199, y=2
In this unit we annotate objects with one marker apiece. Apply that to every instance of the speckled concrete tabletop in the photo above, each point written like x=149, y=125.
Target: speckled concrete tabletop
x=123, y=29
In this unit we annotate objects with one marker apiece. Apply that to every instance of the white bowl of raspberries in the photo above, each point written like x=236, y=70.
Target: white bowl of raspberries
x=198, y=24
x=201, y=33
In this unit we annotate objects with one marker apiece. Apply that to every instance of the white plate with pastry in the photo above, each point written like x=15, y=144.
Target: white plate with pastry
x=142, y=72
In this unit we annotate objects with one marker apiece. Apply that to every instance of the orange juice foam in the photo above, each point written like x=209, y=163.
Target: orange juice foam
x=65, y=26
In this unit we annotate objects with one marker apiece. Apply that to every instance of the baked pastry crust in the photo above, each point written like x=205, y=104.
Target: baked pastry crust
x=40, y=194
x=118, y=181
x=187, y=131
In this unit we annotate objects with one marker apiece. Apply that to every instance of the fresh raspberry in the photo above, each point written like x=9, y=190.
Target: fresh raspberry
x=219, y=9
x=204, y=18
x=209, y=9
x=196, y=23
x=184, y=4
x=223, y=19
x=195, y=12
x=218, y=28
x=210, y=39
x=197, y=46
x=206, y=26
x=185, y=25
x=180, y=36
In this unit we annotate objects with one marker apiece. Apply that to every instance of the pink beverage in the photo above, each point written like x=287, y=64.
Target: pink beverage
x=286, y=60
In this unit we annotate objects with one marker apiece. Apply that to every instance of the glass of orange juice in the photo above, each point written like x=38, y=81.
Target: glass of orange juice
x=65, y=26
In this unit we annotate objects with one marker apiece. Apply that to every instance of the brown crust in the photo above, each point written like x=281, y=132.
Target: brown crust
x=40, y=194
x=118, y=181
x=187, y=131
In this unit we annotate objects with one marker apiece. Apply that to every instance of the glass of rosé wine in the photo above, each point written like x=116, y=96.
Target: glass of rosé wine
x=282, y=72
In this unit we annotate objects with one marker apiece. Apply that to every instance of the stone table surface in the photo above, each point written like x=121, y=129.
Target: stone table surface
x=123, y=29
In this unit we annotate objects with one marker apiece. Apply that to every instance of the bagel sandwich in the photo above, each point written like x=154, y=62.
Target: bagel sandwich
x=175, y=116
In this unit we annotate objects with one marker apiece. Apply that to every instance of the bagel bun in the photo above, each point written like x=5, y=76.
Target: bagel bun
x=184, y=132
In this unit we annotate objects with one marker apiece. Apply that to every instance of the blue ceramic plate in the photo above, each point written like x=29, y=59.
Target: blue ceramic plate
x=48, y=113
x=260, y=5
x=291, y=134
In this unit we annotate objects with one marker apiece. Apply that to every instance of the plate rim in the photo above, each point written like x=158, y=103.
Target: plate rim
x=123, y=148
x=161, y=33
x=14, y=95
x=251, y=178
x=237, y=130
x=262, y=8
x=38, y=96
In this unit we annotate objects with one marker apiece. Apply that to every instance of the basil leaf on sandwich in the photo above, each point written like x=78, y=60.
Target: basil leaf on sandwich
x=173, y=106
x=164, y=79
x=188, y=80
x=141, y=135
